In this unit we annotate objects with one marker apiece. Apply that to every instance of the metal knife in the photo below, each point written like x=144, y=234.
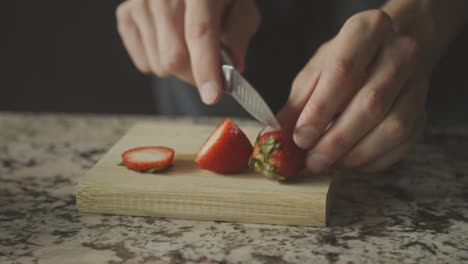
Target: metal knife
x=244, y=93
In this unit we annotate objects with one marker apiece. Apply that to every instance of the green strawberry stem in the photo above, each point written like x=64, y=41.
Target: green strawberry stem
x=261, y=162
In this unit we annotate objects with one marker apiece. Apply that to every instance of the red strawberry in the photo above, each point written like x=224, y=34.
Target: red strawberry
x=148, y=159
x=276, y=156
x=226, y=151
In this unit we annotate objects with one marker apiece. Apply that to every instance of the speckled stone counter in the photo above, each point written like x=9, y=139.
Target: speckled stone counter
x=417, y=212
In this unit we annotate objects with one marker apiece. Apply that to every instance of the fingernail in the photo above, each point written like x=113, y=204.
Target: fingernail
x=209, y=92
x=305, y=136
x=317, y=162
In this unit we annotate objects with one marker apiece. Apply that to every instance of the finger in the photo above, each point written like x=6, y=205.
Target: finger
x=303, y=86
x=131, y=37
x=369, y=107
x=407, y=115
x=142, y=17
x=202, y=34
x=173, y=54
x=344, y=70
x=240, y=25
x=394, y=155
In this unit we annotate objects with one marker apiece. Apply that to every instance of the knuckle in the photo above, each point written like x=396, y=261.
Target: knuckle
x=198, y=29
x=156, y=68
x=379, y=19
x=342, y=70
x=160, y=72
x=124, y=20
x=397, y=128
x=375, y=103
x=371, y=20
x=314, y=109
x=138, y=8
x=160, y=7
x=174, y=61
x=338, y=142
x=143, y=68
x=395, y=68
x=358, y=20
x=410, y=47
x=141, y=64
x=121, y=11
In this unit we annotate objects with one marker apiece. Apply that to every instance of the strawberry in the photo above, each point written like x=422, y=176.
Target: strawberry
x=276, y=156
x=226, y=151
x=148, y=159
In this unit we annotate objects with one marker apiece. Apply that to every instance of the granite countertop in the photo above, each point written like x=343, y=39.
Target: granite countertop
x=417, y=212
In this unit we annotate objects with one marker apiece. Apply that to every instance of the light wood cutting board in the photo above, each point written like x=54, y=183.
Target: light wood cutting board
x=186, y=191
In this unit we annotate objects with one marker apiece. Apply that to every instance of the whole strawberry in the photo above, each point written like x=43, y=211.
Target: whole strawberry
x=276, y=156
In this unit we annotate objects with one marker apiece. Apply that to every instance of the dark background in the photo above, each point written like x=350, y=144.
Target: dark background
x=66, y=56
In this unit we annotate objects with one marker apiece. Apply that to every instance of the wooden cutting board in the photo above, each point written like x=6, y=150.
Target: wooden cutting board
x=186, y=191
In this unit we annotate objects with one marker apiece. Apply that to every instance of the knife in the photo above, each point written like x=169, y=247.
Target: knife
x=243, y=92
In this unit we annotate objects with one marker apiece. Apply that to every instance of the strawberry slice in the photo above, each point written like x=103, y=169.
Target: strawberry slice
x=276, y=156
x=148, y=159
x=226, y=151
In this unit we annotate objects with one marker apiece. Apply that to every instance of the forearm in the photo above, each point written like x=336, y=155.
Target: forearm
x=433, y=23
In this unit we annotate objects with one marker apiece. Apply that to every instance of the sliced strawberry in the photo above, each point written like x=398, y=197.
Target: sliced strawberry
x=276, y=156
x=226, y=151
x=148, y=159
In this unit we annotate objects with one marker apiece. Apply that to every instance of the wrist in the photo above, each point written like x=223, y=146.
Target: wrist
x=434, y=24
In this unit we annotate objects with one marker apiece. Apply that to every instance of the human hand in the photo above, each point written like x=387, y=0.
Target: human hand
x=182, y=38
x=370, y=78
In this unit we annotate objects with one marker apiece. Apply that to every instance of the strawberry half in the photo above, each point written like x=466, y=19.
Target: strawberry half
x=226, y=151
x=276, y=156
x=148, y=159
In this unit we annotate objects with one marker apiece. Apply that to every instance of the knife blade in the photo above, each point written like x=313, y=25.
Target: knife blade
x=245, y=94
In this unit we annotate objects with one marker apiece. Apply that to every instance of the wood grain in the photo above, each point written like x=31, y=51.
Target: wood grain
x=188, y=192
